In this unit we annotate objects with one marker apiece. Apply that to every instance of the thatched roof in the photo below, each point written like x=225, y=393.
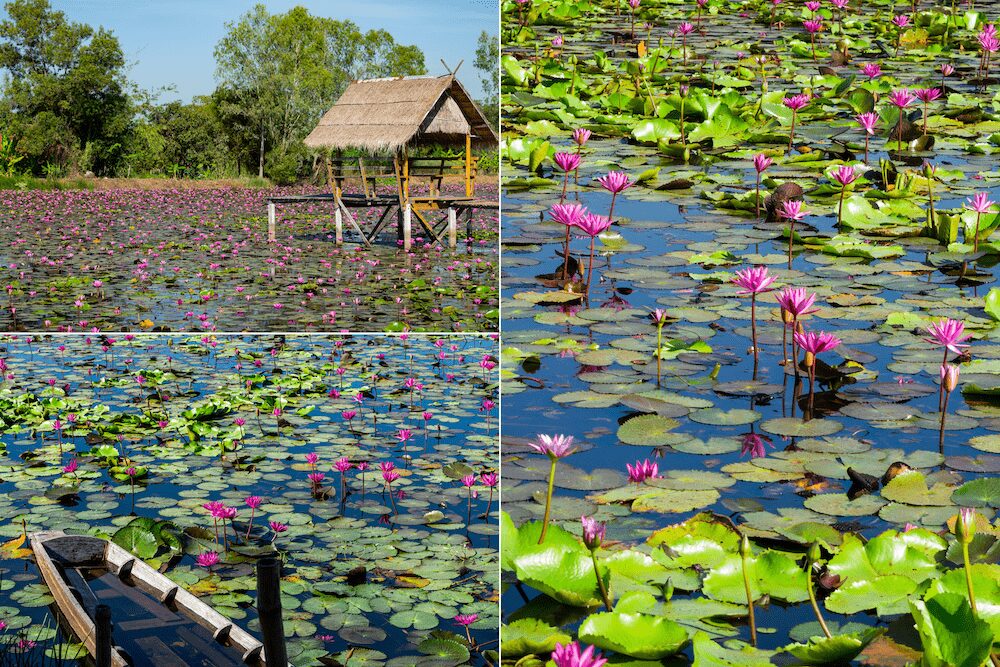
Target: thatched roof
x=384, y=115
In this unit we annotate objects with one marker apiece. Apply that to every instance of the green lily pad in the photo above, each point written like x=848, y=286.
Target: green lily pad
x=798, y=428
x=647, y=430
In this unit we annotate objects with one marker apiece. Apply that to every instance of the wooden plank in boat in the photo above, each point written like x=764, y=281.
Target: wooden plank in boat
x=69, y=607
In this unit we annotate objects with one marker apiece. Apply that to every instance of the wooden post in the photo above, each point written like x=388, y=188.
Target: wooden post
x=407, y=227
x=102, y=636
x=406, y=174
x=364, y=178
x=452, y=227
x=338, y=223
x=272, y=232
x=468, y=166
x=269, y=611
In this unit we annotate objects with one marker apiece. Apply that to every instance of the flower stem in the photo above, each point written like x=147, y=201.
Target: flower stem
x=250, y=525
x=750, y=613
x=812, y=600
x=756, y=201
x=659, y=347
x=600, y=582
x=590, y=264
x=791, y=134
x=968, y=578
x=840, y=207
x=548, y=500
x=975, y=240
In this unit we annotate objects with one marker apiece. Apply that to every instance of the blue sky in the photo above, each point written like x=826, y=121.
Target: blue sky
x=170, y=42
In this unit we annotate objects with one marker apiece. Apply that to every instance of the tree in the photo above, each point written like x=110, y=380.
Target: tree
x=66, y=90
x=487, y=63
x=278, y=73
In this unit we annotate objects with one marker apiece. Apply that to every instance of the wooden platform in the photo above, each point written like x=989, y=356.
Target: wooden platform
x=423, y=208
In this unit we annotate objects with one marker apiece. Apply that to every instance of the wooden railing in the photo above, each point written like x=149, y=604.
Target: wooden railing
x=369, y=171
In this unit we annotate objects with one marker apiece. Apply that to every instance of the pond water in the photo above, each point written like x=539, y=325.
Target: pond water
x=585, y=366
x=199, y=260
x=223, y=419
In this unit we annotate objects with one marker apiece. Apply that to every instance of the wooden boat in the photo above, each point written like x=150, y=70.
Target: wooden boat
x=156, y=622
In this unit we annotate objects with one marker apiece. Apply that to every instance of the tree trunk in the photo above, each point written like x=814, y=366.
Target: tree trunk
x=260, y=167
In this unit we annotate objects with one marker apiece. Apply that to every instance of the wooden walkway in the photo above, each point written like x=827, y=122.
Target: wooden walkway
x=425, y=209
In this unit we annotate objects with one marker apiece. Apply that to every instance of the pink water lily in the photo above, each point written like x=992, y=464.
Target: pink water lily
x=796, y=103
x=901, y=98
x=753, y=281
x=867, y=121
x=642, y=470
x=571, y=655
x=760, y=163
x=567, y=161
x=980, y=203
x=795, y=302
x=812, y=26
x=950, y=334
x=555, y=447
x=753, y=444
x=871, y=70
x=814, y=344
x=845, y=175
x=593, y=532
x=927, y=95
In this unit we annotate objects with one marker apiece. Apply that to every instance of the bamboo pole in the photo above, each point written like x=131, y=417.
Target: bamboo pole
x=272, y=232
x=334, y=184
x=469, y=189
x=407, y=226
x=452, y=227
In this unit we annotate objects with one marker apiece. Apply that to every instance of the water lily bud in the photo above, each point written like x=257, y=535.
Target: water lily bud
x=593, y=532
x=929, y=169
x=744, y=546
x=786, y=316
x=965, y=525
x=949, y=377
x=814, y=554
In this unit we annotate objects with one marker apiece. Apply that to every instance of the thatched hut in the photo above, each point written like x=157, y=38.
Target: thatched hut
x=387, y=117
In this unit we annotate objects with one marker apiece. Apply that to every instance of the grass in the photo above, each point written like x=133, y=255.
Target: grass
x=32, y=183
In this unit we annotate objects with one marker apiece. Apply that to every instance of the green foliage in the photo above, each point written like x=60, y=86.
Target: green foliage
x=66, y=94
x=145, y=537
x=950, y=633
x=68, y=107
x=278, y=73
x=486, y=62
x=629, y=631
x=8, y=158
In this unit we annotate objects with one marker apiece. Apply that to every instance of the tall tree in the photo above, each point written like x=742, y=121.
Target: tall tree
x=487, y=63
x=280, y=72
x=66, y=89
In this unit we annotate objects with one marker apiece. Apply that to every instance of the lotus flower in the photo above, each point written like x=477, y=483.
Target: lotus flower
x=570, y=655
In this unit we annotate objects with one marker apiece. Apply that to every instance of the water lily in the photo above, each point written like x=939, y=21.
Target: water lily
x=754, y=281
x=760, y=163
x=796, y=103
x=814, y=344
x=572, y=655
x=844, y=175
x=207, y=559
x=980, y=203
x=555, y=447
x=868, y=121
